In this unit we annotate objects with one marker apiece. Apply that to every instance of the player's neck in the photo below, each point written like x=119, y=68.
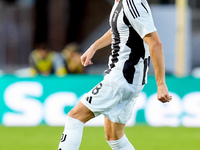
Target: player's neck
x=117, y=0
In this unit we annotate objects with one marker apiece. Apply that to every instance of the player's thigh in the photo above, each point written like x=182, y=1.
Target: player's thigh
x=113, y=131
x=81, y=112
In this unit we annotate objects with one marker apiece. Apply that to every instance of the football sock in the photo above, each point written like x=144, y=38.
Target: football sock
x=72, y=135
x=121, y=144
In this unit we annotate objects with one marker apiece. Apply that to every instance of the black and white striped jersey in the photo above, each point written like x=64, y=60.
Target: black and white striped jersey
x=130, y=21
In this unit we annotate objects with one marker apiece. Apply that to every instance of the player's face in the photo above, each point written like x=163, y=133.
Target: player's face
x=117, y=0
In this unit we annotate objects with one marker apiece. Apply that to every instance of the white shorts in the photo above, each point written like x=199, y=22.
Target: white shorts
x=114, y=99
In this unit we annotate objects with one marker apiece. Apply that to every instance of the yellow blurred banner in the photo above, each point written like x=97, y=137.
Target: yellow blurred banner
x=181, y=7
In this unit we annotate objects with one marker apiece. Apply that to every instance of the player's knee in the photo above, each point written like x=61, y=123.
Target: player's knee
x=72, y=113
x=77, y=112
x=81, y=112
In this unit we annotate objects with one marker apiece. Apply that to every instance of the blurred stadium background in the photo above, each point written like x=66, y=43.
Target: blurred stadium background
x=33, y=108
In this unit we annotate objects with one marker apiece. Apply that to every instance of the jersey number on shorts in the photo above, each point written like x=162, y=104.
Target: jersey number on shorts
x=94, y=92
x=96, y=89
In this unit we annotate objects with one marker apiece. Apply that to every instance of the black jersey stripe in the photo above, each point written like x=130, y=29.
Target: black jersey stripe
x=133, y=9
x=146, y=65
x=130, y=10
x=144, y=7
x=135, y=43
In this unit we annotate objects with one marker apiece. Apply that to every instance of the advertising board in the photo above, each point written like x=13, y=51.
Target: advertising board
x=47, y=100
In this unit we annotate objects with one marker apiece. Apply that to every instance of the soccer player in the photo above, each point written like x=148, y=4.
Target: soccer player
x=133, y=38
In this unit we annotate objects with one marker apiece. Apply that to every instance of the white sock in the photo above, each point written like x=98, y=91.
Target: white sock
x=72, y=135
x=121, y=144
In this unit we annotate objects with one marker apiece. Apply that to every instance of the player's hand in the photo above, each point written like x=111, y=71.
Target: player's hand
x=163, y=94
x=87, y=56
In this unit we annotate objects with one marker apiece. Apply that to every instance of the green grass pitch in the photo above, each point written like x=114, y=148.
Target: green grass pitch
x=142, y=137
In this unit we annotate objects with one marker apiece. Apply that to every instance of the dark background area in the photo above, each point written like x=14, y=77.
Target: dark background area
x=25, y=23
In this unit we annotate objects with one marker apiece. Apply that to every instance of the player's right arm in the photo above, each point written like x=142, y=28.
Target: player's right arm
x=102, y=42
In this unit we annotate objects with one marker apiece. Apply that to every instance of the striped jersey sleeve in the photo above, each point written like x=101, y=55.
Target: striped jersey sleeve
x=139, y=16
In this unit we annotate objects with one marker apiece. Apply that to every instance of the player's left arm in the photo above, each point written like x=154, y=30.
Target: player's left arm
x=157, y=56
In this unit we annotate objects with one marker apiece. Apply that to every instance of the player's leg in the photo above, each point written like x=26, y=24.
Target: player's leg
x=81, y=112
x=115, y=136
x=72, y=135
